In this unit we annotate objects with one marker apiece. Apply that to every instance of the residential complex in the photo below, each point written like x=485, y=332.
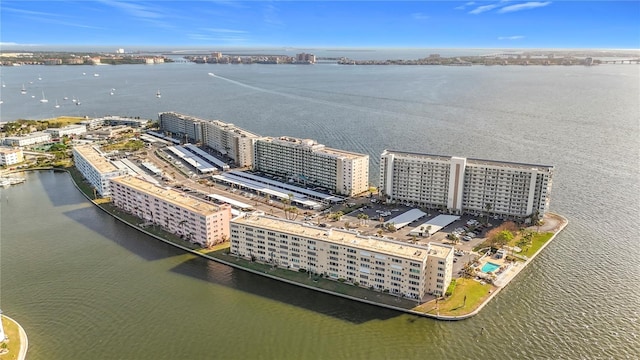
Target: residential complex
x=399, y=268
x=194, y=219
x=463, y=185
x=67, y=130
x=10, y=156
x=26, y=140
x=98, y=170
x=306, y=161
x=228, y=139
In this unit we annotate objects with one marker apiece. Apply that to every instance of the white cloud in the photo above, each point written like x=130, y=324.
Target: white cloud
x=524, y=6
x=420, y=16
x=462, y=7
x=515, y=37
x=229, y=31
x=483, y=8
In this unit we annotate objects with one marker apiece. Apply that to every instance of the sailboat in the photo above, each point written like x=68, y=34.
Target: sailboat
x=44, y=99
x=77, y=101
x=3, y=84
x=158, y=95
x=57, y=105
x=39, y=77
x=24, y=90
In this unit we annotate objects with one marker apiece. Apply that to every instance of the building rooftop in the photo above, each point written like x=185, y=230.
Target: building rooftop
x=470, y=161
x=345, y=238
x=169, y=195
x=9, y=150
x=313, y=146
x=96, y=158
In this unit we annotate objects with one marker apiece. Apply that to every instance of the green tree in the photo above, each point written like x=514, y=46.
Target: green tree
x=502, y=238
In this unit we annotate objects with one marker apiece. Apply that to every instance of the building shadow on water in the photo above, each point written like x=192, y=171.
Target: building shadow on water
x=56, y=184
x=136, y=242
x=334, y=306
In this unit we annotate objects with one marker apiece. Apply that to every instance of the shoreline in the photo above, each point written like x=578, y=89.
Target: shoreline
x=24, y=340
x=562, y=223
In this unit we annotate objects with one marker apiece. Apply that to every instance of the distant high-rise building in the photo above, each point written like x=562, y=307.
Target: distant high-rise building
x=120, y=51
x=306, y=58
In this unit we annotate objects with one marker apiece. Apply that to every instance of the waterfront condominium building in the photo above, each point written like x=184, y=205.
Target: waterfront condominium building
x=27, y=140
x=10, y=156
x=399, y=268
x=196, y=220
x=97, y=169
x=228, y=139
x=462, y=185
x=181, y=126
x=305, y=160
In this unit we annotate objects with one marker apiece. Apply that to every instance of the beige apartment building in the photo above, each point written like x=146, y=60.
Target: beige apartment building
x=196, y=220
x=306, y=161
x=462, y=185
x=10, y=156
x=97, y=169
x=398, y=268
x=225, y=138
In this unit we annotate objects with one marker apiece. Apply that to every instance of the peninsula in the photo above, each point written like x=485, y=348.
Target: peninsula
x=443, y=253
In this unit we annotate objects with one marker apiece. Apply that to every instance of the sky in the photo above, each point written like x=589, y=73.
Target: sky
x=562, y=24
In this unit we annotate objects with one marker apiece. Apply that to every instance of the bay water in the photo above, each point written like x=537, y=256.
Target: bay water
x=85, y=286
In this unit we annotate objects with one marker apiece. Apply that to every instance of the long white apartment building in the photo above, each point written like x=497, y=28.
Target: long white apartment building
x=230, y=140
x=10, y=156
x=463, y=185
x=27, y=140
x=97, y=169
x=182, y=126
x=226, y=138
x=67, y=130
x=195, y=220
x=399, y=268
x=306, y=161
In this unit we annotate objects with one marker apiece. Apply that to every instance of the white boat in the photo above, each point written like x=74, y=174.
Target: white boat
x=24, y=90
x=84, y=73
x=65, y=98
x=1, y=102
x=111, y=92
x=212, y=74
x=158, y=95
x=3, y=85
x=57, y=105
x=96, y=74
x=44, y=99
x=39, y=77
x=77, y=101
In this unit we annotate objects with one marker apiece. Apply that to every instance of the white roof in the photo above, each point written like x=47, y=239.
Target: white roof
x=230, y=201
x=406, y=218
x=436, y=224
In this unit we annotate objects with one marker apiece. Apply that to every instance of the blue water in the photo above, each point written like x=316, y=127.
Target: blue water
x=582, y=120
x=489, y=267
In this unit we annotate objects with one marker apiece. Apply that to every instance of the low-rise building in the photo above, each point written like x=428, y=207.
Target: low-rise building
x=97, y=169
x=28, y=140
x=69, y=130
x=10, y=156
x=385, y=265
x=193, y=219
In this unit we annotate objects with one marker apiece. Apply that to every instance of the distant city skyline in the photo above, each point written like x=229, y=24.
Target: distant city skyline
x=420, y=24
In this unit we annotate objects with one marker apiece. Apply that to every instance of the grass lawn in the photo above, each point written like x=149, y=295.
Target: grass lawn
x=11, y=331
x=455, y=305
x=65, y=120
x=536, y=243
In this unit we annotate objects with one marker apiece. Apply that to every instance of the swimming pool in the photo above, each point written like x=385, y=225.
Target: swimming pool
x=489, y=267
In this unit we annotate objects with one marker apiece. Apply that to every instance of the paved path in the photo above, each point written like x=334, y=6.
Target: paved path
x=24, y=341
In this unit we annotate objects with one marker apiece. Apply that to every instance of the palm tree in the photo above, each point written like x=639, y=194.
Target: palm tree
x=487, y=207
